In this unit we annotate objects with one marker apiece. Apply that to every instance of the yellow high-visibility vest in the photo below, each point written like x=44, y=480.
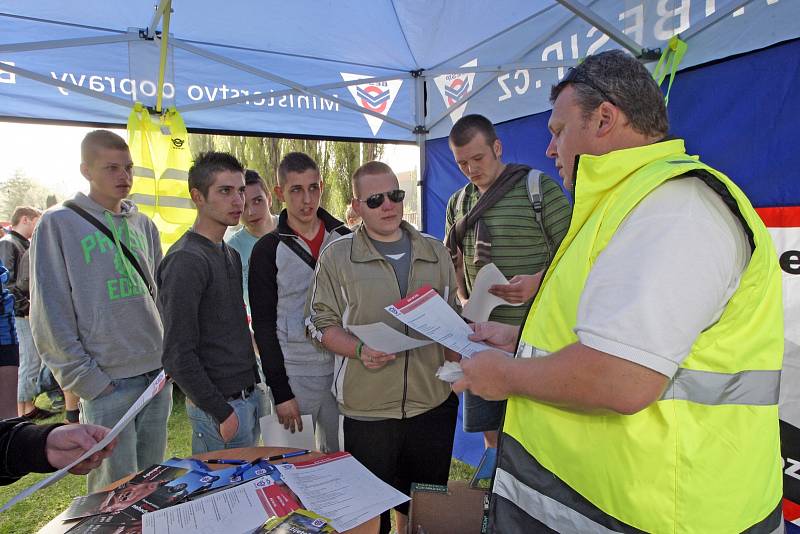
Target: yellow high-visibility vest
x=705, y=458
x=160, y=150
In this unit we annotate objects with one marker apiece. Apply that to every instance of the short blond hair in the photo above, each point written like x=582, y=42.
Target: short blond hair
x=100, y=139
x=371, y=168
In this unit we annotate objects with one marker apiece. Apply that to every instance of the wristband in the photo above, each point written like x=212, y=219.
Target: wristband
x=358, y=349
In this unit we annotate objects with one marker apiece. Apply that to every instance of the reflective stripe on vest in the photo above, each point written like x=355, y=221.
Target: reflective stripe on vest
x=525, y=350
x=175, y=174
x=756, y=388
x=144, y=172
x=169, y=202
x=559, y=507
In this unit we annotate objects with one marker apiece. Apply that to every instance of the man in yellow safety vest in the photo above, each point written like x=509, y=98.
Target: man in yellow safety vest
x=644, y=392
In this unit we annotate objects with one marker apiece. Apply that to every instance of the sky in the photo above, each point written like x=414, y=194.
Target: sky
x=51, y=155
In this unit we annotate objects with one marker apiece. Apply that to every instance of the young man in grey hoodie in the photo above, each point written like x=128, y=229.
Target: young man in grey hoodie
x=94, y=321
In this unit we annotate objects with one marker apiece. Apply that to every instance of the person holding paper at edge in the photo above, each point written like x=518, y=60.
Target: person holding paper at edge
x=399, y=418
x=93, y=315
x=29, y=448
x=299, y=373
x=644, y=395
x=494, y=219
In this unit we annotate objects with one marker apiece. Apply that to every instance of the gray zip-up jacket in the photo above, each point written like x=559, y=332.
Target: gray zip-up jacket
x=279, y=281
x=352, y=285
x=92, y=317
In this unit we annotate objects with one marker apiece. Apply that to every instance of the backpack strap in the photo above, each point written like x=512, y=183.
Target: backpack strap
x=460, y=201
x=107, y=232
x=534, y=184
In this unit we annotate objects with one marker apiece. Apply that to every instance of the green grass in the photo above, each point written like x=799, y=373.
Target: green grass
x=33, y=513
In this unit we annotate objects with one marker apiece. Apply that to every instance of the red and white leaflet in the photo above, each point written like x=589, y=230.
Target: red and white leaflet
x=340, y=488
x=428, y=313
x=237, y=510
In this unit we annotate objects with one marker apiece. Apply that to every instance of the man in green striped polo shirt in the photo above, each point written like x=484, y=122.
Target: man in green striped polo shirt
x=503, y=230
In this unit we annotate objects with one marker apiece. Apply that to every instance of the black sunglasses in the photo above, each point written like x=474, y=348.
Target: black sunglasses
x=574, y=76
x=376, y=200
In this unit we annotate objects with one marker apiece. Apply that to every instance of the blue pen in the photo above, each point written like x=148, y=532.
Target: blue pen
x=242, y=468
x=227, y=462
x=288, y=455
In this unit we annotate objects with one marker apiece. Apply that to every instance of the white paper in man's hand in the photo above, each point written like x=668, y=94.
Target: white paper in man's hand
x=274, y=434
x=481, y=302
x=428, y=313
x=382, y=337
x=450, y=372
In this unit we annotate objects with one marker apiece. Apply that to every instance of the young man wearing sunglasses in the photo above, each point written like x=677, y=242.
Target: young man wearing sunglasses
x=399, y=418
x=282, y=265
x=497, y=207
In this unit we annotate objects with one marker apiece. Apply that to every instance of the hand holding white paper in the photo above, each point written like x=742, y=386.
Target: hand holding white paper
x=481, y=302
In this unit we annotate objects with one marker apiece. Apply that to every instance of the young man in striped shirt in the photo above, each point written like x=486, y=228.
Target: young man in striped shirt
x=492, y=220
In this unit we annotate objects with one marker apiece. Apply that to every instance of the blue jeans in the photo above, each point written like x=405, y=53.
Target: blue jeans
x=29, y=363
x=205, y=429
x=143, y=442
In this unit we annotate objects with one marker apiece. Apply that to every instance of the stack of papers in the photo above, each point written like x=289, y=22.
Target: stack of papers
x=428, y=313
x=340, y=488
x=156, y=488
x=237, y=510
x=335, y=486
x=450, y=372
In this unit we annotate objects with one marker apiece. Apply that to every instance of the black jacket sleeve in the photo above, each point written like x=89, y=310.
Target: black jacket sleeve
x=263, y=292
x=22, y=449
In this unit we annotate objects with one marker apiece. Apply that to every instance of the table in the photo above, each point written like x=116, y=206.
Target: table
x=57, y=525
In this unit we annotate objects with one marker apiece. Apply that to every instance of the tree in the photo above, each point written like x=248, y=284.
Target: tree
x=20, y=190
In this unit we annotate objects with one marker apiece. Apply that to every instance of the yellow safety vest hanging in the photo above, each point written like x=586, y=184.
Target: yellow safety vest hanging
x=161, y=157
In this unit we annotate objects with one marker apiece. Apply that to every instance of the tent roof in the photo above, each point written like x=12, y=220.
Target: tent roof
x=500, y=56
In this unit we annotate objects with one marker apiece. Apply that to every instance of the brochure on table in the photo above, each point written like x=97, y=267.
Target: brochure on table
x=336, y=487
x=340, y=488
x=238, y=510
